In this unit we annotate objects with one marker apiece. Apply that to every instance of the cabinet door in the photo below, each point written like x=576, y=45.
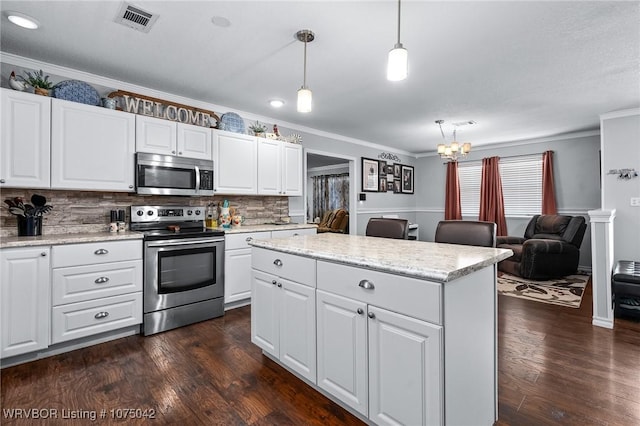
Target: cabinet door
x=237, y=275
x=265, y=312
x=269, y=167
x=405, y=369
x=24, y=300
x=25, y=146
x=155, y=135
x=298, y=328
x=91, y=147
x=235, y=159
x=342, y=349
x=291, y=169
x=194, y=141
x=285, y=233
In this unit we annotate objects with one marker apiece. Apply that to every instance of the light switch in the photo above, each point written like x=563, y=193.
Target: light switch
x=635, y=201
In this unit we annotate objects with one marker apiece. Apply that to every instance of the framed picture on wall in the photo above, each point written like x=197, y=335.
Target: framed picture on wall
x=383, y=184
x=389, y=169
x=390, y=185
x=407, y=179
x=382, y=168
x=397, y=187
x=397, y=170
x=370, y=175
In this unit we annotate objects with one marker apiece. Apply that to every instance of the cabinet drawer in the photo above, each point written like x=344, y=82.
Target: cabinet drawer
x=295, y=268
x=416, y=298
x=293, y=232
x=90, y=253
x=240, y=241
x=83, y=319
x=80, y=283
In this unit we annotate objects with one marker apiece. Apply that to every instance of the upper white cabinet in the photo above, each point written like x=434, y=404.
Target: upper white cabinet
x=24, y=300
x=279, y=168
x=165, y=137
x=25, y=145
x=235, y=158
x=91, y=148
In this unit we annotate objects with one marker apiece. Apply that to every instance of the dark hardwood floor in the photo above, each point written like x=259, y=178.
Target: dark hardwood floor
x=554, y=368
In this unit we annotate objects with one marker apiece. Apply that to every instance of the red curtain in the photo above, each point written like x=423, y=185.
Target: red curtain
x=452, y=207
x=548, y=187
x=491, y=200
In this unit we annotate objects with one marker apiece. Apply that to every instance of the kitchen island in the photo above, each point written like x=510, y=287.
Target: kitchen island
x=396, y=331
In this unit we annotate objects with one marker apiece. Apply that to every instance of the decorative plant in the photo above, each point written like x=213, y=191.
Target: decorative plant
x=258, y=128
x=17, y=206
x=38, y=79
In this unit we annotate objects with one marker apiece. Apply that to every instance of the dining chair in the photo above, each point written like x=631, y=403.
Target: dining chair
x=467, y=232
x=387, y=228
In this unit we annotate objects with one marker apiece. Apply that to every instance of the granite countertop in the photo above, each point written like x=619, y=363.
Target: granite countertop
x=266, y=227
x=54, y=239
x=418, y=259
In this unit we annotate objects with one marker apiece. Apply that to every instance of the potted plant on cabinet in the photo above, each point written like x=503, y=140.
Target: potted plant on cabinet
x=40, y=82
x=258, y=129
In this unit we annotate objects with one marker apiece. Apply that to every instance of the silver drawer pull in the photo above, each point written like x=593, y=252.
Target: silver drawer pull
x=101, y=315
x=366, y=284
x=360, y=311
x=101, y=280
x=277, y=262
x=296, y=234
x=371, y=315
x=248, y=239
x=274, y=282
x=101, y=251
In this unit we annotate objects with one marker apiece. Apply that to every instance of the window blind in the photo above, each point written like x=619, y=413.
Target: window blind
x=469, y=175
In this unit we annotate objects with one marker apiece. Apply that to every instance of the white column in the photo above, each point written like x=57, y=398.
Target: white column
x=602, y=265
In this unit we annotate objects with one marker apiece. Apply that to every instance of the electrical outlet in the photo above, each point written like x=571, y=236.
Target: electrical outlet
x=635, y=201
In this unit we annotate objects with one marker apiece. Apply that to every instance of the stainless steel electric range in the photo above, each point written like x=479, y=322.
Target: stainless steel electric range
x=183, y=266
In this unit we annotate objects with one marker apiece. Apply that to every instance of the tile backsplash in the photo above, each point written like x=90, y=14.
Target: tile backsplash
x=88, y=211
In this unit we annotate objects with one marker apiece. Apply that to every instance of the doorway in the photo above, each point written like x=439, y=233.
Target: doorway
x=319, y=163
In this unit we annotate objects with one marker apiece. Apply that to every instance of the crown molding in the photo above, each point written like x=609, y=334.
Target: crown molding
x=620, y=114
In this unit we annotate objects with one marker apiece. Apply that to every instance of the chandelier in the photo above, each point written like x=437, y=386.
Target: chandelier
x=455, y=149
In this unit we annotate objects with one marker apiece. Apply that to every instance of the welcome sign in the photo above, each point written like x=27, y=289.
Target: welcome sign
x=159, y=108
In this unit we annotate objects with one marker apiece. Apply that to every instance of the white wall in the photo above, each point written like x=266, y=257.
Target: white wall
x=621, y=150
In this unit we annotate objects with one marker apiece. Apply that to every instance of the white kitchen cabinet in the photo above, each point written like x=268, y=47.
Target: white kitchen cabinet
x=279, y=168
x=96, y=287
x=283, y=314
x=24, y=300
x=285, y=233
x=92, y=148
x=237, y=265
x=26, y=135
x=235, y=158
x=158, y=136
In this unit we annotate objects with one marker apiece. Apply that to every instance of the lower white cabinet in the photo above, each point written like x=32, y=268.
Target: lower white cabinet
x=96, y=287
x=237, y=265
x=283, y=314
x=24, y=300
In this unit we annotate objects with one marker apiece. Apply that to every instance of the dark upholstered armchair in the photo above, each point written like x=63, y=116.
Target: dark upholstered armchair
x=550, y=247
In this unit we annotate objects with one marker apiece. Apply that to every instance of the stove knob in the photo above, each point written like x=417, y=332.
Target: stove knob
x=189, y=212
x=139, y=212
x=198, y=212
x=150, y=212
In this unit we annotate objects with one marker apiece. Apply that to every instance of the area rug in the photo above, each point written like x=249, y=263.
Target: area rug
x=566, y=291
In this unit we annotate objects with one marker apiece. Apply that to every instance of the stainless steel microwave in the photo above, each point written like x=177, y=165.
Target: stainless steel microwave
x=170, y=175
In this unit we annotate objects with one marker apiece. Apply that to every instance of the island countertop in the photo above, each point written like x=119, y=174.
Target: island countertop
x=425, y=260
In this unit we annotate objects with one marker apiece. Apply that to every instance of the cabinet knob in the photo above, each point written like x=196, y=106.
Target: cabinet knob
x=296, y=234
x=101, y=251
x=274, y=282
x=101, y=280
x=179, y=152
x=366, y=284
x=101, y=315
x=173, y=152
x=1, y=180
x=130, y=186
x=371, y=315
x=277, y=262
x=43, y=254
x=360, y=311
x=248, y=239
x=279, y=284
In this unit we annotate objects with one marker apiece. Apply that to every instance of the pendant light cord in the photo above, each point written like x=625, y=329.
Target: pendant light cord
x=304, y=75
x=398, y=22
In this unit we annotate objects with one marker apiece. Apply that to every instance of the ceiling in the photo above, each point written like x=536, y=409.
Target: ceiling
x=521, y=70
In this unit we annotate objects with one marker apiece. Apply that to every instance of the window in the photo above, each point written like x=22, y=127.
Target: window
x=521, y=185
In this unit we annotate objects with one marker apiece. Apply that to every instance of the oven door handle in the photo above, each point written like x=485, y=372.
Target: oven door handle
x=185, y=242
x=197, y=169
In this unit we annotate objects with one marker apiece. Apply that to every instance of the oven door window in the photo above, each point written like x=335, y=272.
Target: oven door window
x=186, y=269
x=166, y=177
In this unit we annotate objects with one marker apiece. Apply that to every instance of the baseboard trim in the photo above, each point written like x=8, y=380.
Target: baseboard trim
x=602, y=322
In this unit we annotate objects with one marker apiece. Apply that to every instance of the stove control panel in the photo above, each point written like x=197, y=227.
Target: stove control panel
x=166, y=213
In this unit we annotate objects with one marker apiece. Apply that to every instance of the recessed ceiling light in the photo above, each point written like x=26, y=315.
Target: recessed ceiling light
x=22, y=20
x=276, y=103
x=221, y=21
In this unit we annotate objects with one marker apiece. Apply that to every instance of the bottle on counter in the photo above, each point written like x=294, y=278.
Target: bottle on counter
x=211, y=216
x=113, y=221
x=122, y=225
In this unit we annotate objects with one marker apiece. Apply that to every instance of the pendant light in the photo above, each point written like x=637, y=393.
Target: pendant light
x=304, y=94
x=398, y=62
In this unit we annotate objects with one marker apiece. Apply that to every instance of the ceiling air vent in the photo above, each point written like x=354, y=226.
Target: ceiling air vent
x=136, y=18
